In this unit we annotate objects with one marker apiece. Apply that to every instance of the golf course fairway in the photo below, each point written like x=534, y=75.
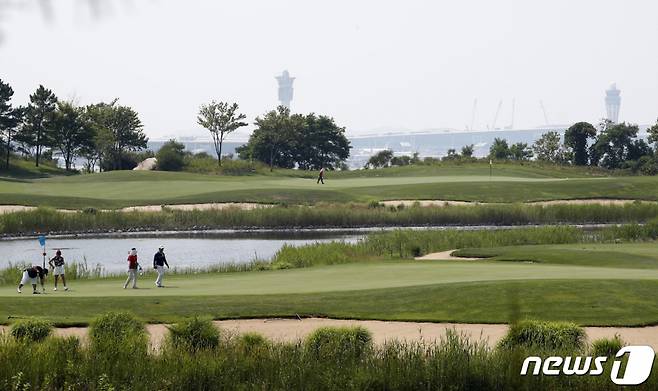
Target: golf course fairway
x=455, y=291
x=470, y=182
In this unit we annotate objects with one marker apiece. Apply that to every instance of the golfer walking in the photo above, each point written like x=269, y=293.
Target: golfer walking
x=321, y=176
x=132, y=269
x=159, y=262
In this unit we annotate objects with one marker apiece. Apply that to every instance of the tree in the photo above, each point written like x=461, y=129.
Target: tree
x=576, y=138
x=615, y=145
x=275, y=139
x=548, y=148
x=467, y=151
x=520, y=152
x=171, y=156
x=499, y=149
x=117, y=130
x=220, y=119
x=321, y=143
x=39, y=117
x=72, y=132
x=380, y=159
x=10, y=117
x=653, y=134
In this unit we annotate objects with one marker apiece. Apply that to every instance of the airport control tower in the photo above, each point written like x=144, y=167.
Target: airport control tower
x=285, y=88
x=612, y=103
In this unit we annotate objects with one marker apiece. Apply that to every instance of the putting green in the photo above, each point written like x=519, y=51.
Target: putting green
x=350, y=277
x=128, y=188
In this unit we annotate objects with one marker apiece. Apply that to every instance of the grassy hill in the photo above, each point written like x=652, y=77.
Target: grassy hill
x=465, y=182
x=26, y=169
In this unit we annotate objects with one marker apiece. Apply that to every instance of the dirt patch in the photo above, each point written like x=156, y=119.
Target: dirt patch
x=289, y=330
x=444, y=256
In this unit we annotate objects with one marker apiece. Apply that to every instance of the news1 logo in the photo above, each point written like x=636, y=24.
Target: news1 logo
x=638, y=366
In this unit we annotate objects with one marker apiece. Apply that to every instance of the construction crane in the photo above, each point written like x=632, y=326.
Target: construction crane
x=475, y=107
x=543, y=109
x=493, y=125
x=511, y=125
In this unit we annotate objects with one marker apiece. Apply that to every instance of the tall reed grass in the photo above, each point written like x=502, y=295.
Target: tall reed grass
x=454, y=362
x=320, y=215
x=412, y=243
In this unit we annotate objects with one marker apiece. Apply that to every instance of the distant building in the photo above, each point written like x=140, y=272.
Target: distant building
x=612, y=103
x=285, y=88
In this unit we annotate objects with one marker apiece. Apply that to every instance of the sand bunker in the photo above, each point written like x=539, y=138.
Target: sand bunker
x=153, y=208
x=288, y=330
x=444, y=256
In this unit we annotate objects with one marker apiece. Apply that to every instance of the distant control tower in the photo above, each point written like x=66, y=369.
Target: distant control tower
x=285, y=88
x=612, y=103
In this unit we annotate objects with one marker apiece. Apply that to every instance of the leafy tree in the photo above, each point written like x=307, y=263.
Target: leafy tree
x=128, y=133
x=275, y=139
x=653, y=134
x=520, y=152
x=452, y=154
x=499, y=149
x=576, y=138
x=403, y=160
x=615, y=145
x=72, y=132
x=10, y=117
x=171, y=156
x=548, y=148
x=118, y=131
x=467, y=150
x=221, y=119
x=321, y=143
x=380, y=159
x=39, y=117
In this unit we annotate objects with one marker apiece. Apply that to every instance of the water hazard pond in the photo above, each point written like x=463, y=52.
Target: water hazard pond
x=196, y=250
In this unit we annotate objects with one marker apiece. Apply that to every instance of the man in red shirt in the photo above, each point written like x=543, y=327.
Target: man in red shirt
x=132, y=268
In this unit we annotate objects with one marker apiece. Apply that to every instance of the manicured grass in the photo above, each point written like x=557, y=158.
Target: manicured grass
x=26, y=169
x=429, y=291
x=635, y=255
x=469, y=182
x=586, y=302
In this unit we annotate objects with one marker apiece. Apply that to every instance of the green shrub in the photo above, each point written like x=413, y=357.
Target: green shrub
x=544, y=335
x=252, y=342
x=115, y=326
x=170, y=157
x=338, y=342
x=118, y=341
x=607, y=346
x=31, y=330
x=194, y=334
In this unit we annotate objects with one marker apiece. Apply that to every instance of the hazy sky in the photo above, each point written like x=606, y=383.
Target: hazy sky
x=371, y=64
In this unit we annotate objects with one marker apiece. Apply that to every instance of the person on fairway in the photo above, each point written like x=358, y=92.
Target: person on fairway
x=321, y=176
x=159, y=262
x=57, y=264
x=30, y=277
x=133, y=265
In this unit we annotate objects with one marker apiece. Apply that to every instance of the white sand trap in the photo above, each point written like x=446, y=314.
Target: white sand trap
x=290, y=330
x=445, y=256
x=153, y=208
